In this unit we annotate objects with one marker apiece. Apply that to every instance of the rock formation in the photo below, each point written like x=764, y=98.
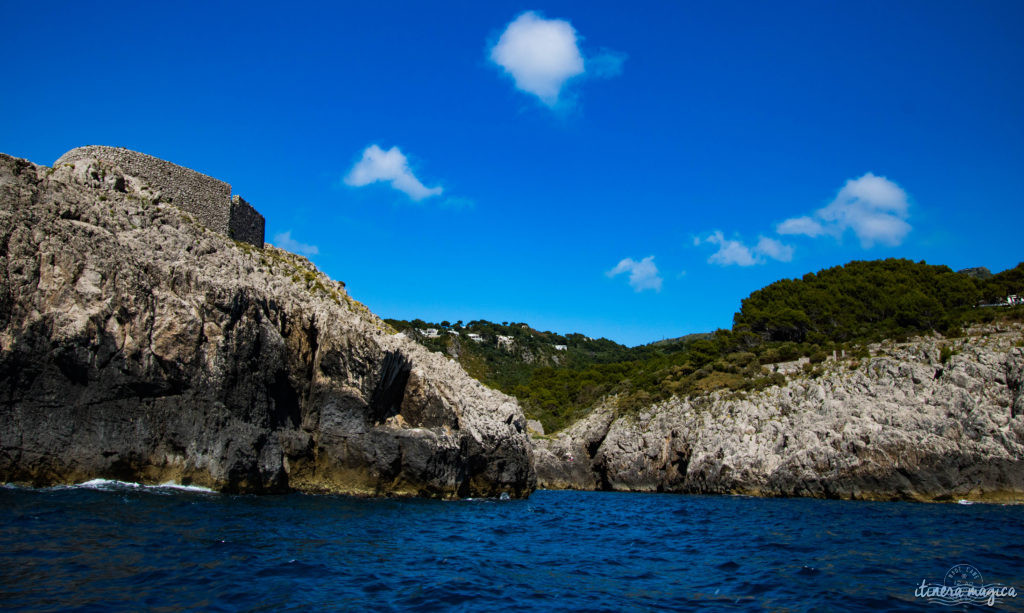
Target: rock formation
x=909, y=423
x=137, y=344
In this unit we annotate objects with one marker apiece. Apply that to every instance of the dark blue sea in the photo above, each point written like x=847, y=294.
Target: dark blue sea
x=110, y=547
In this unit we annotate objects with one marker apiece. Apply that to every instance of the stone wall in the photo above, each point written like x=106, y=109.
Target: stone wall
x=207, y=199
x=245, y=223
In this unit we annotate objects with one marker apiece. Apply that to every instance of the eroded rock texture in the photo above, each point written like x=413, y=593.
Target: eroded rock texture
x=900, y=425
x=137, y=344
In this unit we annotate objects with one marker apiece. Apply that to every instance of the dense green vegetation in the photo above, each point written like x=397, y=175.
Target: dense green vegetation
x=837, y=309
x=862, y=300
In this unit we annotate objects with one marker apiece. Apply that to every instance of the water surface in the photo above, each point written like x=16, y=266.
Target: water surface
x=117, y=547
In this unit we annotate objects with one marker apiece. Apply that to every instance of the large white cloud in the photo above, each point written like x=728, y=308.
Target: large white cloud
x=392, y=167
x=732, y=252
x=642, y=275
x=541, y=55
x=285, y=241
x=873, y=207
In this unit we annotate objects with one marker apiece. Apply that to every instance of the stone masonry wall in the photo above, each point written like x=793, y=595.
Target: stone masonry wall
x=207, y=199
x=245, y=223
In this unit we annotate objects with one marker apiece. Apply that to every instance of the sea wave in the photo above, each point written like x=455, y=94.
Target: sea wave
x=113, y=484
x=109, y=485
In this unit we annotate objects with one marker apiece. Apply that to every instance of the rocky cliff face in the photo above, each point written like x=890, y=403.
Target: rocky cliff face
x=137, y=344
x=900, y=425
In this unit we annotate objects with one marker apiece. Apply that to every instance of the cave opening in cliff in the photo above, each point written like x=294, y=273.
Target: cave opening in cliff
x=387, y=395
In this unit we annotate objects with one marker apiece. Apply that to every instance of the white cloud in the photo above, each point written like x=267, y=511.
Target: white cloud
x=392, y=167
x=542, y=55
x=734, y=253
x=285, y=241
x=773, y=249
x=642, y=275
x=801, y=225
x=730, y=251
x=873, y=207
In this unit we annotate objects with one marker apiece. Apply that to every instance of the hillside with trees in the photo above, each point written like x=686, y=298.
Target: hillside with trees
x=559, y=378
x=862, y=300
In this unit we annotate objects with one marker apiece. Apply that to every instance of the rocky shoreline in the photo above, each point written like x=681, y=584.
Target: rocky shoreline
x=137, y=344
x=901, y=425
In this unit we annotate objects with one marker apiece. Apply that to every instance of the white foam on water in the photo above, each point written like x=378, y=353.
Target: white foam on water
x=185, y=488
x=113, y=484
x=107, y=484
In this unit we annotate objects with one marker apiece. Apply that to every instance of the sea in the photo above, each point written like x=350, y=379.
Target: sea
x=111, y=546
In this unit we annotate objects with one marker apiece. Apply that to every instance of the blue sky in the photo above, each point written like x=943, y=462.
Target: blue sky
x=499, y=160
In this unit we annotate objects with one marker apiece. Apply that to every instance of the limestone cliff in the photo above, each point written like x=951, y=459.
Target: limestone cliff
x=910, y=423
x=137, y=344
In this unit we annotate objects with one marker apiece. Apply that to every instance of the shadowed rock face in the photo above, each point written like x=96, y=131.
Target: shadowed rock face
x=899, y=426
x=388, y=394
x=136, y=344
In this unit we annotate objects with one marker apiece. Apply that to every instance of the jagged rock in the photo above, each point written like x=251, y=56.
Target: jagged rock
x=901, y=425
x=979, y=272
x=137, y=344
x=566, y=462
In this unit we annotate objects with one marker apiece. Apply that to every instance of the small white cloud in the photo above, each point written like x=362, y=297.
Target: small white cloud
x=769, y=247
x=542, y=55
x=729, y=251
x=800, y=225
x=392, y=167
x=285, y=241
x=733, y=252
x=642, y=275
x=873, y=207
